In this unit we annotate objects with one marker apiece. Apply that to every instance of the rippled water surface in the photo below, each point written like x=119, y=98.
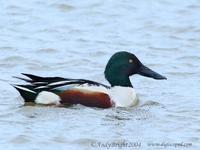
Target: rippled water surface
x=75, y=39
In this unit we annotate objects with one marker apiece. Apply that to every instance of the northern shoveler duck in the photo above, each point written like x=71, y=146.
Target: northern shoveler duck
x=64, y=91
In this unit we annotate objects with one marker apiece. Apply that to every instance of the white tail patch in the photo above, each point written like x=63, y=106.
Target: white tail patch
x=46, y=98
x=24, y=89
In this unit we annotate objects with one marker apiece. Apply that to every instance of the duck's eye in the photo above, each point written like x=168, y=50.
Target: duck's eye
x=130, y=61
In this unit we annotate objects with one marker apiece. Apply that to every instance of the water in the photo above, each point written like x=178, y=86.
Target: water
x=75, y=39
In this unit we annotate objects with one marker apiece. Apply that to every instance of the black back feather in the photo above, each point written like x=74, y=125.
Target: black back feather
x=37, y=83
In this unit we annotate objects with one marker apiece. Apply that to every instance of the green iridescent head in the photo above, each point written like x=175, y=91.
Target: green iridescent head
x=124, y=64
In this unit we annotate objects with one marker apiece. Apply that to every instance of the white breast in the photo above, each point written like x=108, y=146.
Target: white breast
x=123, y=96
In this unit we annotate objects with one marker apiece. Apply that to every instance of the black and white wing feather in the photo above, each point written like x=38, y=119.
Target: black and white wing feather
x=37, y=83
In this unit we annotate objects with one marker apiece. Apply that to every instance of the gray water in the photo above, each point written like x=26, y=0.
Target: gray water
x=75, y=39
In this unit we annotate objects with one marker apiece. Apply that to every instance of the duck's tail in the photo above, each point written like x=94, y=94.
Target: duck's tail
x=27, y=92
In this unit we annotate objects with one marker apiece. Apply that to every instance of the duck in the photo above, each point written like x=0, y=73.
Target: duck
x=62, y=92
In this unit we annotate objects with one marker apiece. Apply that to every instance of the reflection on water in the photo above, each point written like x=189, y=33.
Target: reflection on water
x=75, y=39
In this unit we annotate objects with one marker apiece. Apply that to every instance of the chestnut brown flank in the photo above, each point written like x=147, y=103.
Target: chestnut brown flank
x=91, y=99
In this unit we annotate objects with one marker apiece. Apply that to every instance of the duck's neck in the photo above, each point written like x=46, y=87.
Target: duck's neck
x=119, y=80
